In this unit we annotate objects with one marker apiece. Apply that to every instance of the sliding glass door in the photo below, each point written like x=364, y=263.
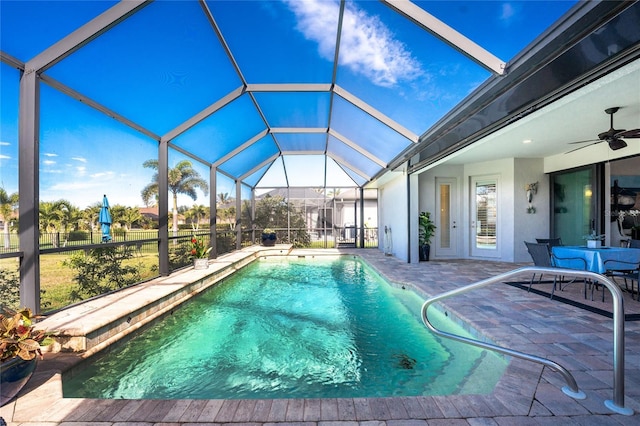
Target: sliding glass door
x=575, y=200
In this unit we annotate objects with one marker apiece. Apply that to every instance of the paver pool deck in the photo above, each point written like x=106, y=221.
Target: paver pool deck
x=527, y=394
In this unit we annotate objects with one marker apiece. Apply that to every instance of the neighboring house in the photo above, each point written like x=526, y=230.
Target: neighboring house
x=339, y=209
x=314, y=205
x=150, y=213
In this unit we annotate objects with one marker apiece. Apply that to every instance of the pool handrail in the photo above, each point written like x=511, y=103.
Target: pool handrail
x=617, y=403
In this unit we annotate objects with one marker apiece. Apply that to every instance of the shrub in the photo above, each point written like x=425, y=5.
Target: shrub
x=78, y=236
x=102, y=270
x=180, y=255
x=10, y=288
x=119, y=231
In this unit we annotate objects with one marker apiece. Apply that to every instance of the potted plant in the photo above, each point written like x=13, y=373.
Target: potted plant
x=634, y=214
x=426, y=229
x=200, y=253
x=593, y=240
x=19, y=349
x=268, y=237
x=635, y=229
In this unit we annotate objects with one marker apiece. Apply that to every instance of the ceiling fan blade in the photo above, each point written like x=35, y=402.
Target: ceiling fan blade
x=594, y=143
x=589, y=140
x=628, y=134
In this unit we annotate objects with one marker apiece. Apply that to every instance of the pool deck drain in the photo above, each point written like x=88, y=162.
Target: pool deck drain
x=527, y=394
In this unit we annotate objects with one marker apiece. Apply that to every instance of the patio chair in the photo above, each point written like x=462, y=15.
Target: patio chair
x=628, y=271
x=541, y=255
x=551, y=242
x=579, y=264
x=619, y=235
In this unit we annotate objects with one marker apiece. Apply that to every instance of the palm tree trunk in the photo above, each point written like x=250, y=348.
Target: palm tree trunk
x=7, y=235
x=175, y=214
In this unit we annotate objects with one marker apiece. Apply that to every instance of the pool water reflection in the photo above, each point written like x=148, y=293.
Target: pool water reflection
x=290, y=328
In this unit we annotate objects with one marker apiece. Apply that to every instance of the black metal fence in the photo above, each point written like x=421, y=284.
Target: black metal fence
x=79, y=238
x=336, y=237
x=226, y=240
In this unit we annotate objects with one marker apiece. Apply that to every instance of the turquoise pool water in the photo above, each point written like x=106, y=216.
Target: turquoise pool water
x=290, y=328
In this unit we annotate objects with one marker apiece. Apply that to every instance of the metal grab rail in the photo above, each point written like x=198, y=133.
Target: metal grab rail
x=617, y=404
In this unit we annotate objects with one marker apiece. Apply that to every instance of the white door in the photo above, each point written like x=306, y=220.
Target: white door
x=484, y=216
x=446, y=218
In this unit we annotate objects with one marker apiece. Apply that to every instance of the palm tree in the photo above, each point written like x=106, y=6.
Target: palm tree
x=91, y=215
x=73, y=220
x=226, y=216
x=130, y=216
x=117, y=213
x=71, y=216
x=7, y=204
x=333, y=193
x=197, y=213
x=183, y=179
x=51, y=217
x=223, y=198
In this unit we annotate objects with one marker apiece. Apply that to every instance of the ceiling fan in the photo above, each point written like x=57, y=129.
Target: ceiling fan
x=614, y=137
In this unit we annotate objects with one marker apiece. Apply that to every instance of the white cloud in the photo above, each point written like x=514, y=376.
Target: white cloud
x=367, y=47
x=508, y=12
x=4, y=157
x=69, y=186
x=101, y=175
x=48, y=154
x=81, y=169
x=318, y=21
x=84, y=192
x=5, y=143
x=48, y=162
x=82, y=160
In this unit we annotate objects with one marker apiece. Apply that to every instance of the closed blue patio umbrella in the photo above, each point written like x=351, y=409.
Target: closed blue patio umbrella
x=105, y=220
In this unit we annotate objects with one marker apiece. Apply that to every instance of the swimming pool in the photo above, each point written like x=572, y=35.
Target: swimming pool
x=290, y=328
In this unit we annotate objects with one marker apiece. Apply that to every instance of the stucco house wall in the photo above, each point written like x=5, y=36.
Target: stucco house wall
x=393, y=201
x=515, y=225
x=529, y=225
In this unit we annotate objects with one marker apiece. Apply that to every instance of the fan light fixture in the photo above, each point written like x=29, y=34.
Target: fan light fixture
x=616, y=143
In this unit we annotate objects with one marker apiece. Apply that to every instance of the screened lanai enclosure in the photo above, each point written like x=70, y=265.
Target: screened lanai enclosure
x=220, y=119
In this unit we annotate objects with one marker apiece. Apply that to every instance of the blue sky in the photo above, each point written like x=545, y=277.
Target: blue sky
x=164, y=64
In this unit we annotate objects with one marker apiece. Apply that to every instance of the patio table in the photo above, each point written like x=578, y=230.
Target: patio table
x=595, y=258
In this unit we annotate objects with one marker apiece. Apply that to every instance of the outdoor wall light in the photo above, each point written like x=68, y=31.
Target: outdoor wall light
x=531, y=189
